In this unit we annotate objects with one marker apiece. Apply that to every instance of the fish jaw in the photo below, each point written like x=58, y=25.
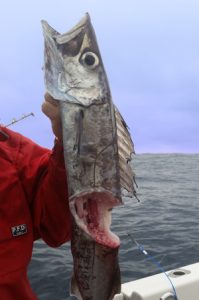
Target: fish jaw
x=92, y=213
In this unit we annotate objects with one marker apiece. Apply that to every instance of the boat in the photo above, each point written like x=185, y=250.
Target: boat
x=177, y=284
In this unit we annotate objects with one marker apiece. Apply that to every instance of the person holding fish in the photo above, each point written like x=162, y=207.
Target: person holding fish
x=33, y=203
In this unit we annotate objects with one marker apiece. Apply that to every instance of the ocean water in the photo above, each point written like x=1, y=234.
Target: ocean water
x=165, y=222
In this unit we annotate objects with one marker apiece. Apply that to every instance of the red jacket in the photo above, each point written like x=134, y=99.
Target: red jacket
x=33, y=205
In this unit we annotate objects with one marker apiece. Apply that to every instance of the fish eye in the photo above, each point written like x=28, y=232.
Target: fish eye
x=90, y=60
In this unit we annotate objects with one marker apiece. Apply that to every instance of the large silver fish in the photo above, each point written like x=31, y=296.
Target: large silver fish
x=97, y=150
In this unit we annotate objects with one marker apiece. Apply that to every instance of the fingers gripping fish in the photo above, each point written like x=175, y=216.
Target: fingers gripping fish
x=97, y=149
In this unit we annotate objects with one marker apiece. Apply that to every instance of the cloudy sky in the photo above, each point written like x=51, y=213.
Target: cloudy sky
x=150, y=50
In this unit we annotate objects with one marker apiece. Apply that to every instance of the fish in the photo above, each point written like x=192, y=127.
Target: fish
x=98, y=149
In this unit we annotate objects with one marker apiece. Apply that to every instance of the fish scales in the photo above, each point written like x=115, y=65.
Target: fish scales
x=91, y=160
x=97, y=150
x=104, y=284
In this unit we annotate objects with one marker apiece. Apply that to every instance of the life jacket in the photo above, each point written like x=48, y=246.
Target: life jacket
x=33, y=204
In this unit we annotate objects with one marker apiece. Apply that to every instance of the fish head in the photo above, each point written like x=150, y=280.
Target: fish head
x=74, y=69
x=91, y=212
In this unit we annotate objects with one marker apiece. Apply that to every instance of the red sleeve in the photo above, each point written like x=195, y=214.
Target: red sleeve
x=43, y=178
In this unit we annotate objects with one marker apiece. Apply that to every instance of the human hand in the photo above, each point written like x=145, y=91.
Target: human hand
x=50, y=108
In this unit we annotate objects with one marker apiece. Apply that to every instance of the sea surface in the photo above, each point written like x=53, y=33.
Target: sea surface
x=165, y=222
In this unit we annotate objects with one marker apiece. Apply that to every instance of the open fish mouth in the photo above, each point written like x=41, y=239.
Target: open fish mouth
x=92, y=213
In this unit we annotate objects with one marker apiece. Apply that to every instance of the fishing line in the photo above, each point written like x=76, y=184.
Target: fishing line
x=155, y=262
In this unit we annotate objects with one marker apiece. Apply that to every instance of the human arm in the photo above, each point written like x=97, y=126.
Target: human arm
x=43, y=178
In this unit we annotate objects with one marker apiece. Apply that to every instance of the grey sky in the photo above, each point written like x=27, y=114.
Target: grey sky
x=150, y=51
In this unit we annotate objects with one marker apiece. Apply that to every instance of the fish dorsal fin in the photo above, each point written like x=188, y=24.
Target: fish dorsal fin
x=125, y=151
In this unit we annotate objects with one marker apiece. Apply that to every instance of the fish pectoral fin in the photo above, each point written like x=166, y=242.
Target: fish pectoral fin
x=74, y=290
x=79, y=129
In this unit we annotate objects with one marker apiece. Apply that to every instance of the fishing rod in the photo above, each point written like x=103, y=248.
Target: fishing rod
x=4, y=136
x=24, y=116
